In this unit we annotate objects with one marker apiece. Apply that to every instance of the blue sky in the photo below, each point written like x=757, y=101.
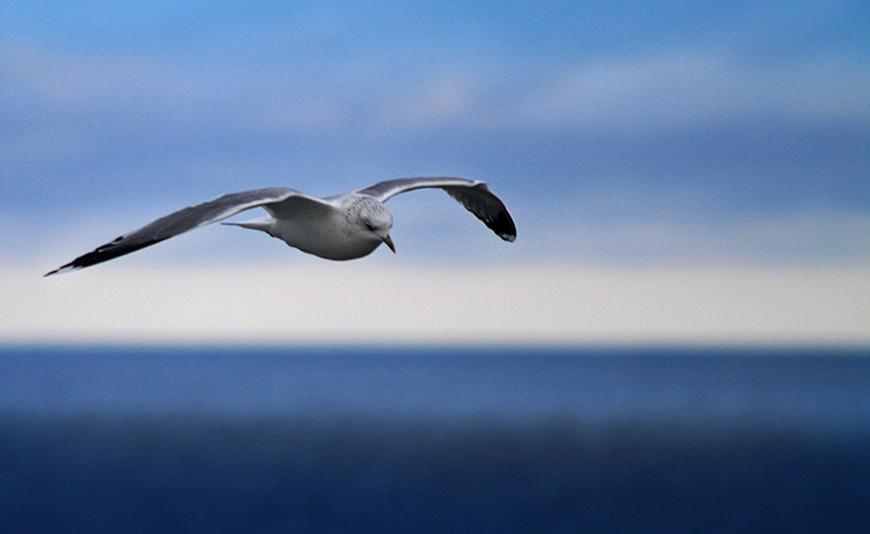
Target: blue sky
x=601, y=118
x=620, y=134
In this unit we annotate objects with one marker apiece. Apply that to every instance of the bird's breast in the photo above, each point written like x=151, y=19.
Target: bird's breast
x=330, y=241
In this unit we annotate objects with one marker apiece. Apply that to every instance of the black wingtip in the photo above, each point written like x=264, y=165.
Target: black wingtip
x=69, y=267
x=74, y=265
x=501, y=223
x=504, y=226
x=101, y=254
x=487, y=207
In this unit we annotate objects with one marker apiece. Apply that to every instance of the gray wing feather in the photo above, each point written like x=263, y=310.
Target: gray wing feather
x=473, y=194
x=180, y=222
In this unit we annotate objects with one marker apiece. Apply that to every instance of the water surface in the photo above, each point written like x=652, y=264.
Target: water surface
x=174, y=439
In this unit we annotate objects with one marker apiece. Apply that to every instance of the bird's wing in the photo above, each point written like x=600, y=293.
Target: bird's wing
x=473, y=194
x=183, y=221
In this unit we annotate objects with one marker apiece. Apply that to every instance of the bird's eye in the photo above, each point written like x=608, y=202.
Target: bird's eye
x=370, y=226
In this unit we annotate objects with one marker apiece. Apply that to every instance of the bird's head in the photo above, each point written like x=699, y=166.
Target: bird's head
x=374, y=220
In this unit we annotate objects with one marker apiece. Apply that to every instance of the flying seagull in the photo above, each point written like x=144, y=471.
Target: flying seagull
x=340, y=227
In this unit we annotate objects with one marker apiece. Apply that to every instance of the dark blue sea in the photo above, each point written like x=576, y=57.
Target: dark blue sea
x=345, y=440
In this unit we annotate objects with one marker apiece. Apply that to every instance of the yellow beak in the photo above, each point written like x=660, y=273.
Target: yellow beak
x=390, y=244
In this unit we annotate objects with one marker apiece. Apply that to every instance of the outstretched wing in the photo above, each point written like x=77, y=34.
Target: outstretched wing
x=473, y=194
x=180, y=222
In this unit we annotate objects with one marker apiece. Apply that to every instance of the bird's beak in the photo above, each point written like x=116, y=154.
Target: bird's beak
x=390, y=244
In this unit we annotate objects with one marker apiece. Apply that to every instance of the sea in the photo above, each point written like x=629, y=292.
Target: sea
x=180, y=439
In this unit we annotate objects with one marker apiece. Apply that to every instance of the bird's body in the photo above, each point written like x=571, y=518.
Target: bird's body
x=341, y=227
x=326, y=230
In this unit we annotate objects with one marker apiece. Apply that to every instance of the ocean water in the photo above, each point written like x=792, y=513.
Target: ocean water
x=212, y=440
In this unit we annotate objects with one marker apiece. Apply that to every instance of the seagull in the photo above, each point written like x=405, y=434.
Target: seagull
x=340, y=227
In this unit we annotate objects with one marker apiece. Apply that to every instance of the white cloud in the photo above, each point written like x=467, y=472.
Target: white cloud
x=358, y=303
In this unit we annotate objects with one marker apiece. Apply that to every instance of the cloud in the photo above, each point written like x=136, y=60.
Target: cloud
x=357, y=303
x=811, y=239
x=589, y=137
x=649, y=92
x=689, y=89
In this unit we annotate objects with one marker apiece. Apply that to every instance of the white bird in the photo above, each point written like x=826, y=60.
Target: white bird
x=340, y=227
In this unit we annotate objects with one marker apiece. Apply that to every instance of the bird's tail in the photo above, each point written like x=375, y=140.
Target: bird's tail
x=264, y=225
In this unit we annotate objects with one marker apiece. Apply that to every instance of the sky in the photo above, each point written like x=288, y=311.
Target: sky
x=679, y=172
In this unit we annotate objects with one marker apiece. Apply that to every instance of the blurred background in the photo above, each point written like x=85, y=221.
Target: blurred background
x=678, y=339
x=678, y=171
